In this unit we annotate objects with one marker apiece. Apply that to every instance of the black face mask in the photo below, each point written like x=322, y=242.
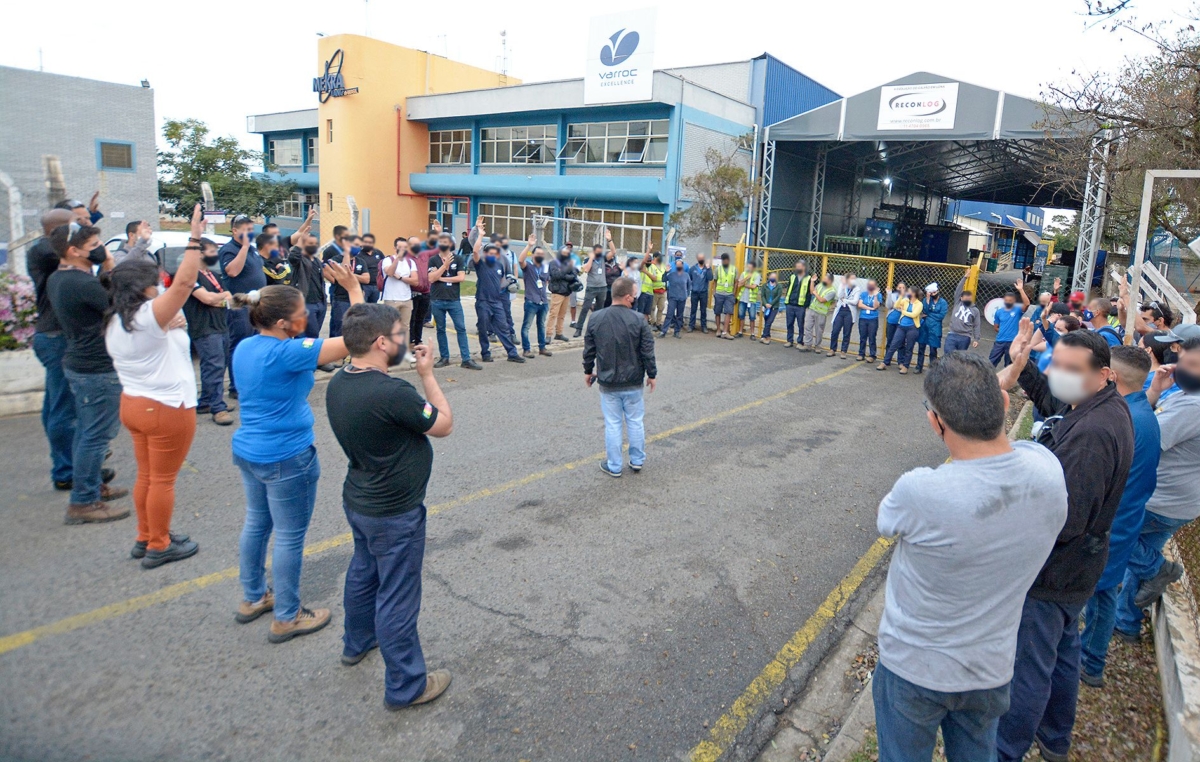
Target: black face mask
x=310, y=250
x=444, y=247
x=98, y=255
x=394, y=360
x=366, y=247
x=210, y=261
x=1187, y=382
x=966, y=302
x=433, y=242
x=539, y=259
x=564, y=257
x=1170, y=357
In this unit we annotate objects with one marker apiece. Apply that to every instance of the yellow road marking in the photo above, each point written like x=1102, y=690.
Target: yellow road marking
x=746, y=707
x=171, y=592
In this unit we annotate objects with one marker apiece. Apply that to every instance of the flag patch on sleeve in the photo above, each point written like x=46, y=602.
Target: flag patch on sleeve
x=308, y=343
x=428, y=411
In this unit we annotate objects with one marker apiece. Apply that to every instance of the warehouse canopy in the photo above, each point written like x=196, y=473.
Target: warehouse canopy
x=951, y=137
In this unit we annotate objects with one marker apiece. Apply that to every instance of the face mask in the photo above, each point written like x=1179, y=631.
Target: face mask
x=490, y=259
x=539, y=259
x=700, y=262
x=210, y=261
x=1009, y=305
x=966, y=302
x=443, y=247
x=1088, y=315
x=367, y=247
x=1170, y=357
x=98, y=255
x=433, y=243
x=310, y=250
x=564, y=257
x=1067, y=386
x=394, y=359
x=1187, y=382
x=354, y=250
x=772, y=281
x=678, y=268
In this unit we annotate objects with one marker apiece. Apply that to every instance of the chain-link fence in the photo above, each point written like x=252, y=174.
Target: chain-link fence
x=585, y=233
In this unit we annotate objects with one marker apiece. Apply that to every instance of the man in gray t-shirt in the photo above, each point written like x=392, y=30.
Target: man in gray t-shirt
x=596, y=284
x=971, y=536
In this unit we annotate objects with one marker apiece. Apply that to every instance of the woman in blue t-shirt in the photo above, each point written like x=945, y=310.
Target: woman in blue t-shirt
x=274, y=449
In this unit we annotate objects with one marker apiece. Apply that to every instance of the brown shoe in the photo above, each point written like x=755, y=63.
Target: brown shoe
x=436, y=683
x=307, y=621
x=545, y=353
x=223, y=418
x=94, y=513
x=247, y=611
x=528, y=355
x=108, y=493
x=830, y=354
x=903, y=369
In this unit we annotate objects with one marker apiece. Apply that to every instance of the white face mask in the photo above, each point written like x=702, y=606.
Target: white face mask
x=1067, y=386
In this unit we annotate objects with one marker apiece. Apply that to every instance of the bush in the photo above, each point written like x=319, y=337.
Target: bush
x=18, y=311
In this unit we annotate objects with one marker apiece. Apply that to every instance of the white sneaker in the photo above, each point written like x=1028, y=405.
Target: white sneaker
x=412, y=360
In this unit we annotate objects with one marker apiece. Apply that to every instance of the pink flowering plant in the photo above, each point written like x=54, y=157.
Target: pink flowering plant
x=18, y=311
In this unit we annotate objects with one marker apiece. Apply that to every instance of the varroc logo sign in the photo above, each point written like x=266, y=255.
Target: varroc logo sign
x=918, y=107
x=331, y=84
x=620, y=65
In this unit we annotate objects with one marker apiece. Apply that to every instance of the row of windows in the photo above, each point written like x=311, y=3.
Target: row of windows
x=513, y=220
x=644, y=228
x=298, y=204
x=638, y=142
x=287, y=152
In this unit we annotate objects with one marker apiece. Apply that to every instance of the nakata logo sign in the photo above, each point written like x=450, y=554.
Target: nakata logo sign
x=914, y=104
x=332, y=85
x=619, y=48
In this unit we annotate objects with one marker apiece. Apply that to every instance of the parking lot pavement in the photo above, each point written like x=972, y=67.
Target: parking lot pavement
x=583, y=617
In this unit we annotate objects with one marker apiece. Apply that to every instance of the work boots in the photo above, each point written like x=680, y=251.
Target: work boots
x=98, y=512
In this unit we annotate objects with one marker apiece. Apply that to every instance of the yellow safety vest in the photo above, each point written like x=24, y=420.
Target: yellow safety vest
x=656, y=277
x=726, y=276
x=792, y=281
x=647, y=282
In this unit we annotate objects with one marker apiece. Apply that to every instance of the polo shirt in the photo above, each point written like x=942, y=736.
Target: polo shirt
x=536, y=277
x=1008, y=321
x=488, y=280
x=251, y=278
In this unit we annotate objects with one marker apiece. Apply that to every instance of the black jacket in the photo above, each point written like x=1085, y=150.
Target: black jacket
x=306, y=276
x=1094, y=444
x=619, y=346
x=563, y=276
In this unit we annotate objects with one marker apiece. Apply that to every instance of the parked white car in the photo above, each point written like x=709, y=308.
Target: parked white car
x=167, y=246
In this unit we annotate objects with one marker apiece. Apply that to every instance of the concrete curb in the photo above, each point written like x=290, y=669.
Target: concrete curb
x=1177, y=649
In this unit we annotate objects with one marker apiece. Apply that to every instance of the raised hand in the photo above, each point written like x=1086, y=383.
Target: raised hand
x=1024, y=340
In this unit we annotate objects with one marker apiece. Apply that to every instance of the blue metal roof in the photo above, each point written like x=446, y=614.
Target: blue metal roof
x=787, y=92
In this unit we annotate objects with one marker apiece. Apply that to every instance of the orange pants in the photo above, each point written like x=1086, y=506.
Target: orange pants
x=162, y=437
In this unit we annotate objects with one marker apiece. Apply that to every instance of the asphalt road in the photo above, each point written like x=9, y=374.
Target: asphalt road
x=583, y=618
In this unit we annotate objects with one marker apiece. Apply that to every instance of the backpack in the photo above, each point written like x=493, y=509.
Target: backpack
x=381, y=275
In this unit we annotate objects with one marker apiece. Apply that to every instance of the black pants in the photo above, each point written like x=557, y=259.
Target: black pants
x=593, y=299
x=699, y=304
x=420, y=314
x=239, y=328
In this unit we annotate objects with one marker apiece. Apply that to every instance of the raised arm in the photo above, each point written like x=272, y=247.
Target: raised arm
x=608, y=239
x=235, y=265
x=295, y=238
x=529, y=244
x=1020, y=286
x=476, y=239
x=1018, y=352
x=333, y=350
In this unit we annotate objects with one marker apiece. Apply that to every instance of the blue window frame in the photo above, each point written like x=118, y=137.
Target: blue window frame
x=115, y=156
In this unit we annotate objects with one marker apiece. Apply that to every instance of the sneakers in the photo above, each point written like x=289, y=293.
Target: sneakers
x=1150, y=590
x=881, y=366
x=903, y=370
x=106, y=476
x=604, y=467
x=1047, y=755
x=94, y=513
x=919, y=371
x=470, y=365
x=528, y=354
x=830, y=353
x=108, y=493
x=436, y=683
x=677, y=335
x=307, y=621
x=636, y=469
x=222, y=418
x=249, y=611
x=443, y=362
x=176, y=551
x=545, y=353
x=516, y=358
x=860, y=358
x=139, y=548
x=872, y=358
x=1125, y=637
x=560, y=337
x=765, y=341
x=577, y=334
x=349, y=660
x=789, y=344
x=844, y=356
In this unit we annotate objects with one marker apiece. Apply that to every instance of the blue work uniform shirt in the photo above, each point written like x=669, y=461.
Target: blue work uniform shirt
x=489, y=283
x=679, y=284
x=1008, y=321
x=701, y=277
x=1139, y=486
x=250, y=278
x=537, y=277
x=871, y=300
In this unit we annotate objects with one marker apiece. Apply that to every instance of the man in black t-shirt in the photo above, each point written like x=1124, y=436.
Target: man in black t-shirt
x=49, y=344
x=308, y=277
x=209, y=331
x=445, y=275
x=371, y=257
x=242, y=272
x=79, y=303
x=384, y=425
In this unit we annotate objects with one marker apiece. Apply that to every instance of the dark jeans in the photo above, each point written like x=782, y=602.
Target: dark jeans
x=211, y=349
x=907, y=718
x=508, y=321
x=316, y=319
x=336, y=312
x=422, y=309
x=768, y=320
x=1045, y=680
x=97, y=421
x=956, y=342
x=383, y=598
x=58, y=405
x=868, y=334
x=933, y=355
x=489, y=318
x=699, y=303
x=441, y=309
x=888, y=334
x=1144, y=562
x=1100, y=617
x=370, y=294
x=843, y=324
x=902, y=342
x=674, y=316
x=645, y=303
x=593, y=299
x=1000, y=352
x=239, y=328
x=534, y=312
x=794, y=315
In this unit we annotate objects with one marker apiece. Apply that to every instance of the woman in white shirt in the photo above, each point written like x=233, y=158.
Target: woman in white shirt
x=147, y=338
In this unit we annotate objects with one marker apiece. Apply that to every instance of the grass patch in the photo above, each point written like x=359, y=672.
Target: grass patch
x=466, y=288
x=1025, y=425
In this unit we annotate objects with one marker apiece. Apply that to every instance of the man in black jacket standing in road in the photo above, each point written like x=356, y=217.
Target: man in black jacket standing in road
x=1088, y=427
x=618, y=352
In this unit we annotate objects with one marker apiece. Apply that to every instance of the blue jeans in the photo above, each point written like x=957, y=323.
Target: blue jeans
x=794, y=316
x=627, y=407
x=534, y=311
x=1000, y=353
x=699, y=304
x=370, y=294
x=316, y=318
x=957, y=343
x=902, y=342
x=279, y=496
x=489, y=318
x=768, y=319
x=239, y=329
x=58, y=405
x=211, y=349
x=933, y=354
x=674, y=316
x=747, y=310
x=97, y=421
x=1045, y=682
x=1144, y=562
x=440, y=309
x=336, y=311
x=907, y=718
x=383, y=598
x=843, y=324
x=868, y=334
x=1099, y=617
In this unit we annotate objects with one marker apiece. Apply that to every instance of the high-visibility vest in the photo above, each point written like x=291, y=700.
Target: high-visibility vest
x=795, y=281
x=725, y=277
x=647, y=281
x=827, y=293
x=750, y=290
x=656, y=277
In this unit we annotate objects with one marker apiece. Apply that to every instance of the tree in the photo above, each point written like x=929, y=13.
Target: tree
x=192, y=157
x=1148, y=111
x=1064, y=231
x=721, y=191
